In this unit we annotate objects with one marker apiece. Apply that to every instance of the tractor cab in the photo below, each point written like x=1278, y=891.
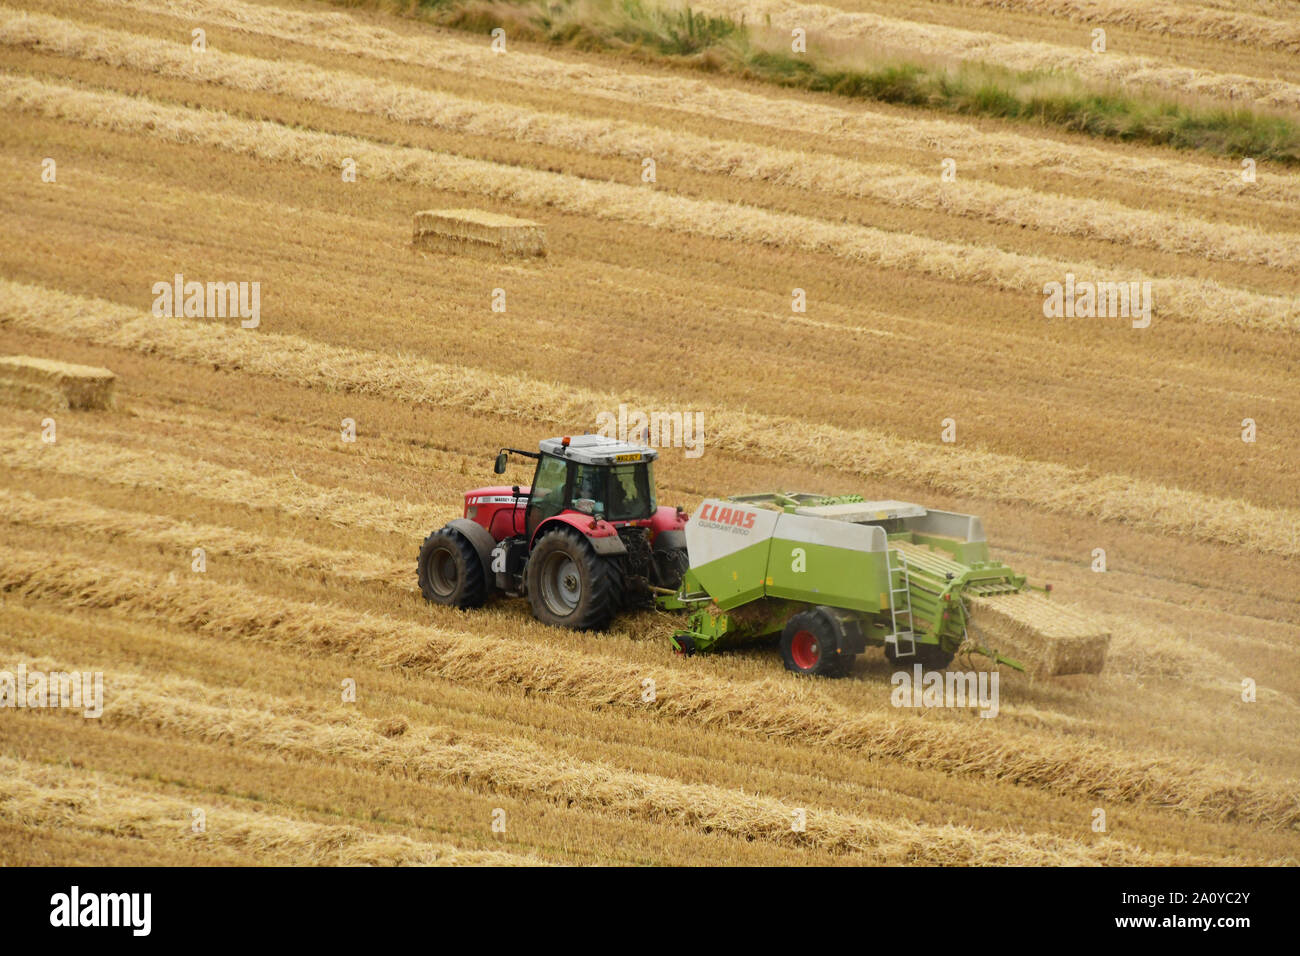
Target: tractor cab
x=607, y=479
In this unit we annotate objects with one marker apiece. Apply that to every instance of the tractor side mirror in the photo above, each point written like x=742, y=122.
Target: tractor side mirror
x=500, y=467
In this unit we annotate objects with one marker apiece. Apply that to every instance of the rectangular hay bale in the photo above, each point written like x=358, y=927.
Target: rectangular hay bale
x=54, y=385
x=1048, y=637
x=475, y=232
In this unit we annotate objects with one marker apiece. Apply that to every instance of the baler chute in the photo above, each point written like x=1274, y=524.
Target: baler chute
x=835, y=575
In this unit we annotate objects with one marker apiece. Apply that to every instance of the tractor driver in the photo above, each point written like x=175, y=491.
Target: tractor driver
x=625, y=494
x=589, y=487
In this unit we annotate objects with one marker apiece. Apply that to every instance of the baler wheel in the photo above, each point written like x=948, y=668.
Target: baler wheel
x=569, y=585
x=808, y=645
x=804, y=650
x=450, y=571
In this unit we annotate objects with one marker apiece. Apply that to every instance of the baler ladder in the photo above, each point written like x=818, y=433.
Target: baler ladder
x=895, y=611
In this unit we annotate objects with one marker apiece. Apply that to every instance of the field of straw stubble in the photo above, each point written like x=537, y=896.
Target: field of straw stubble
x=129, y=156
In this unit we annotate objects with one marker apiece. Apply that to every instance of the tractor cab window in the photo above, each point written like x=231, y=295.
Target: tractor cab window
x=631, y=492
x=590, y=489
x=547, y=498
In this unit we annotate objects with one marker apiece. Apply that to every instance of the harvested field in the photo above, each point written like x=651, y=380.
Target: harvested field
x=34, y=795
x=304, y=362
x=1186, y=298
x=226, y=527
x=222, y=612
x=338, y=33
x=887, y=183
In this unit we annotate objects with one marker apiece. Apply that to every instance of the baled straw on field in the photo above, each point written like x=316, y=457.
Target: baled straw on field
x=51, y=385
x=477, y=232
x=1049, y=638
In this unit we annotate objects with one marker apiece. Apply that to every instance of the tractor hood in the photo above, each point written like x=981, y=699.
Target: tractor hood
x=494, y=495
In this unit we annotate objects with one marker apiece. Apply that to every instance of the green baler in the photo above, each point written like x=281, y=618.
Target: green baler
x=833, y=576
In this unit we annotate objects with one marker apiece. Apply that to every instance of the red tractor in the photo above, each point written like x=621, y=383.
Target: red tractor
x=584, y=541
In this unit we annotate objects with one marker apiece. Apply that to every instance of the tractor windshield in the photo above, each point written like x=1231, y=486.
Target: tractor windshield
x=620, y=492
x=631, y=492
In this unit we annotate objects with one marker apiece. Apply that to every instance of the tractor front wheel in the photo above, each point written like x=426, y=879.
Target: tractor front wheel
x=808, y=645
x=450, y=571
x=569, y=585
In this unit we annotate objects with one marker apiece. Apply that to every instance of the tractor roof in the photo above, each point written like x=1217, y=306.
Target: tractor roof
x=597, y=450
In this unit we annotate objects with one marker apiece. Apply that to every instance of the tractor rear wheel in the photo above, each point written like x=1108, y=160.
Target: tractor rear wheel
x=808, y=645
x=450, y=571
x=931, y=657
x=569, y=585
